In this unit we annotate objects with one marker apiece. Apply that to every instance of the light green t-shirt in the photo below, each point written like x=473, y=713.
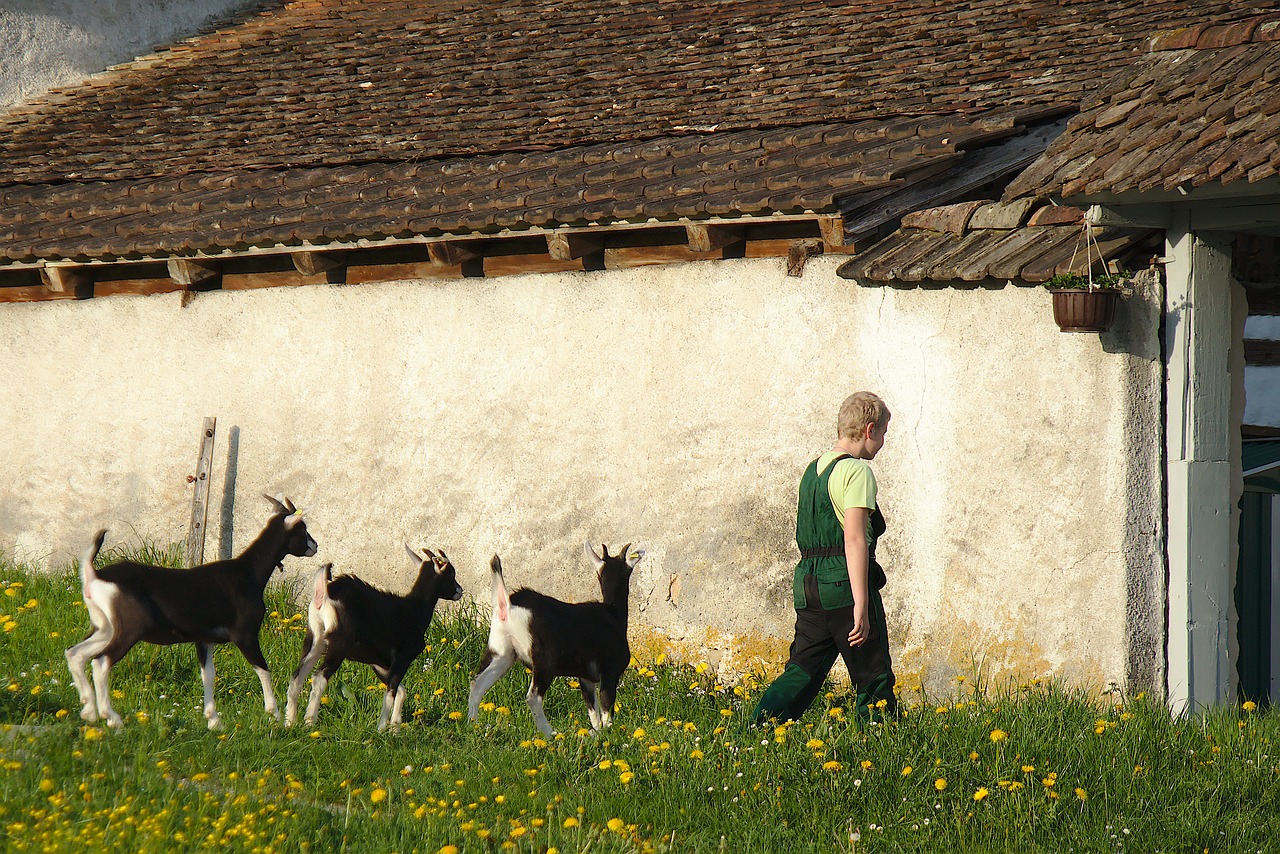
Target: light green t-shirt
x=852, y=484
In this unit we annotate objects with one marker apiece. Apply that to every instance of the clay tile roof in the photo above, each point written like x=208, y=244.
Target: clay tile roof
x=984, y=240
x=321, y=120
x=1200, y=107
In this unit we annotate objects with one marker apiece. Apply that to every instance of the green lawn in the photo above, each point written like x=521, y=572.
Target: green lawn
x=1018, y=768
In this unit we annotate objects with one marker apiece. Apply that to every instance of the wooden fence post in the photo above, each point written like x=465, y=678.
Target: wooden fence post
x=200, y=500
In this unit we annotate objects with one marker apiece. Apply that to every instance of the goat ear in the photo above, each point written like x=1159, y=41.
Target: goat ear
x=633, y=555
x=596, y=560
x=414, y=556
x=442, y=560
x=289, y=505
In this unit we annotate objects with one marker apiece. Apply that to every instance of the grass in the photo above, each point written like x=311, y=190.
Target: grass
x=1017, y=768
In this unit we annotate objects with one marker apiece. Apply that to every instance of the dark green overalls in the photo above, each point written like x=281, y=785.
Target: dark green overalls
x=824, y=614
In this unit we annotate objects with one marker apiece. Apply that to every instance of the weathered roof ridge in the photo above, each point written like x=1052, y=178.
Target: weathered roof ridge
x=1260, y=28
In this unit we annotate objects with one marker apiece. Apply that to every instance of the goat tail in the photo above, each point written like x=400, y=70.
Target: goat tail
x=87, y=573
x=321, y=614
x=501, y=601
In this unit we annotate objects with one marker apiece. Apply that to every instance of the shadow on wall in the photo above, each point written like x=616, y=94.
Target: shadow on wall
x=226, y=528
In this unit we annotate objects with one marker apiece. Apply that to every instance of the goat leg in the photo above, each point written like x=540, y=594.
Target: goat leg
x=78, y=657
x=253, y=654
x=204, y=652
x=592, y=699
x=311, y=652
x=102, y=684
x=492, y=669
x=538, y=686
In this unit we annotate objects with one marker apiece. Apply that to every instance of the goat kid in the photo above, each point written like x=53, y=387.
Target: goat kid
x=348, y=618
x=586, y=640
x=215, y=603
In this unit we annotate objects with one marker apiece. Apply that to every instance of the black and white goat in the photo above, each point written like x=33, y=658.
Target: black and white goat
x=586, y=640
x=349, y=618
x=215, y=603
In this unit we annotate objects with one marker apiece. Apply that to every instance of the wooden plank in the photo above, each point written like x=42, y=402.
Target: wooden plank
x=800, y=253
x=34, y=293
x=370, y=273
x=626, y=257
x=1264, y=300
x=200, y=498
x=514, y=265
x=1261, y=352
x=274, y=279
x=136, y=287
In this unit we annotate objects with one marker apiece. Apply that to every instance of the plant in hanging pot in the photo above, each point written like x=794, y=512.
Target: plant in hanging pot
x=1086, y=303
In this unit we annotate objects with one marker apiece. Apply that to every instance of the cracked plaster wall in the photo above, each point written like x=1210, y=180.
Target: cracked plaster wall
x=672, y=405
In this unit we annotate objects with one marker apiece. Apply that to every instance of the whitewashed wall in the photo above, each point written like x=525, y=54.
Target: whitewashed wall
x=671, y=405
x=49, y=43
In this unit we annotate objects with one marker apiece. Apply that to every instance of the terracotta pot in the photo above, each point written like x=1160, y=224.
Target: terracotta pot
x=1081, y=310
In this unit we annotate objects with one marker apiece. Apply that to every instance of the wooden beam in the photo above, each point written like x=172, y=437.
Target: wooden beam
x=1263, y=299
x=454, y=253
x=189, y=272
x=200, y=497
x=832, y=230
x=33, y=293
x=568, y=246
x=800, y=253
x=66, y=280
x=709, y=238
x=315, y=263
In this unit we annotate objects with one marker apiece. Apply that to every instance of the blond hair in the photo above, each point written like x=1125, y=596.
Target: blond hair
x=858, y=410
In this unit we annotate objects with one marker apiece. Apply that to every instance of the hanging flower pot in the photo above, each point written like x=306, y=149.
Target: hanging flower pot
x=1084, y=309
x=1086, y=303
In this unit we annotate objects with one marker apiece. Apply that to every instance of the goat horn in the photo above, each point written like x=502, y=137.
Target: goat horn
x=417, y=557
x=280, y=508
x=444, y=558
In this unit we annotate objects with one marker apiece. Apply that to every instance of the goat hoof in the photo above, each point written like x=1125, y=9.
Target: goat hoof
x=215, y=722
x=89, y=714
x=115, y=721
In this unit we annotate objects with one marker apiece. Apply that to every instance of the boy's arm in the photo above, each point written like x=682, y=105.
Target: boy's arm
x=855, y=554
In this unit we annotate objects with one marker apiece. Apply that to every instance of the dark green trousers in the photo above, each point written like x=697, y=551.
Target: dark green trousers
x=821, y=637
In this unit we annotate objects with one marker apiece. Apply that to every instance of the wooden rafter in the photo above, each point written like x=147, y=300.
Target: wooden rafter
x=709, y=238
x=189, y=272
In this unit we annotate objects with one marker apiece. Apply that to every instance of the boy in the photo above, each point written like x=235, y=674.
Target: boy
x=837, y=581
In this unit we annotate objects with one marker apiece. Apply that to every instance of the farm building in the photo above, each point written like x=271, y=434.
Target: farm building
x=504, y=277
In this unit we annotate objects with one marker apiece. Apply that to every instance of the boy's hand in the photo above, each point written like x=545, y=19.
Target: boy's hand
x=858, y=636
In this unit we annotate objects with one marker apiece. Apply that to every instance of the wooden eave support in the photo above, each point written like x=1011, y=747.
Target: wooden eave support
x=452, y=253
x=66, y=280
x=570, y=246
x=315, y=263
x=189, y=272
x=832, y=230
x=709, y=238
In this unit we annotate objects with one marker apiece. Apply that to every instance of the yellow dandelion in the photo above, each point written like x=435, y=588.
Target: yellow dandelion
x=832, y=765
x=981, y=793
x=998, y=735
x=616, y=825
x=449, y=849
x=378, y=795
x=1249, y=705
x=866, y=765
x=626, y=777
x=940, y=783
x=1028, y=769
x=906, y=771
x=570, y=823
x=639, y=733
x=455, y=716
x=46, y=785
x=1082, y=794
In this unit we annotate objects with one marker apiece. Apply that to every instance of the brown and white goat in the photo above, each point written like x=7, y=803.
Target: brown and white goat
x=349, y=618
x=585, y=640
x=219, y=602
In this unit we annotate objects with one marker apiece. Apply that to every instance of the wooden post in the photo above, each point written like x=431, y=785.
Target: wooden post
x=200, y=500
